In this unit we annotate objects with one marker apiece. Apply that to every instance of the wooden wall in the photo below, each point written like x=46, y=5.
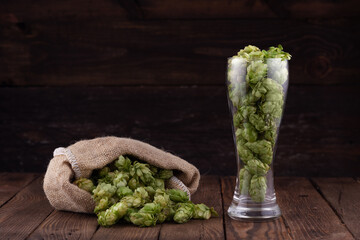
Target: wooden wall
x=155, y=71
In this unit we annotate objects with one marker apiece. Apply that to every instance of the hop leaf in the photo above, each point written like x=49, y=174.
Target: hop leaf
x=85, y=184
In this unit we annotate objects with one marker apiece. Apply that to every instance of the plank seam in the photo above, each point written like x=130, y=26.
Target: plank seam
x=318, y=189
x=35, y=178
x=287, y=227
x=97, y=228
x=39, y=224
x=222, y=205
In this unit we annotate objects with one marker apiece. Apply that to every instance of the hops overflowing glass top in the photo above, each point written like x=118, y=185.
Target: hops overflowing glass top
x=134, y=192
x=257, y=84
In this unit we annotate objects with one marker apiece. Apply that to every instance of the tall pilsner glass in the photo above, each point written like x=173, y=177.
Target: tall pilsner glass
x=256, y=96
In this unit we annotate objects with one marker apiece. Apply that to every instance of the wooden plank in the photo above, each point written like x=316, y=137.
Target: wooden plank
x=249, y=230
x=306, y=213
x=186, y=9
x=12, y=183
x=127, y=232
x=66, y=225
x=192, y=122
x=344, y=196
x=209, y=193
x=23, y=213
x=110, y=51
x=255, y=9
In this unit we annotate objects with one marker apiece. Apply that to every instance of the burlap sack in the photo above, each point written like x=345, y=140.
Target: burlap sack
x=81, y=158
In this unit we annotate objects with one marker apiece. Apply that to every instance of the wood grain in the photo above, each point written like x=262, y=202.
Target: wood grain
x=249, y=230
x=185, y=9
x=127, y=232
x=12, y=183
x=110, y=51
x=209, y=193
x=66, y=225
x=317, y=134
x=344, y=196
x=23, y=213
x=306, y=213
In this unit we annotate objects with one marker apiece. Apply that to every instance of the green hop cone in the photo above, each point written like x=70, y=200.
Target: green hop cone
x=102, y=205
x=121, y=179
x=153, y=169
x=256, y=71
x=166, y=214
x=161, y=198
x=258, y=122
x=133, y=202
x=151, y=191
x=142, y=171
x=184, y=212
x=112, y=215
x=277, y=52
x=248, y=133
x=108, y=178
x=85, y=184
x=158, y=183
x=246, y=111
x=143, y=219
x=270, y=134
x=258, y=188
x=164, y=174
x=251, y=53
x=263, y=149
x=128, y=213
x=134, y=183
x=103, y=190
x=103, y=172
x=123, y=191
x=244, y=152
x=204, y=212
x=123, y=164
x=244, y=181
x=256, y=167
x=177, y=195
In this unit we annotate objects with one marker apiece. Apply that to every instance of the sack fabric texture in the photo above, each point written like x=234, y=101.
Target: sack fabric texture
x=81, y=158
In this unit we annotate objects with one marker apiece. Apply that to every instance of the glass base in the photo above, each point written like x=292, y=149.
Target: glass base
x=253, y=212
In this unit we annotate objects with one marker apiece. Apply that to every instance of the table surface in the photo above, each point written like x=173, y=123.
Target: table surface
x=316, y=208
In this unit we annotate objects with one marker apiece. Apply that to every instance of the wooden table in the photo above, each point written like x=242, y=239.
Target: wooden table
x=317, y=208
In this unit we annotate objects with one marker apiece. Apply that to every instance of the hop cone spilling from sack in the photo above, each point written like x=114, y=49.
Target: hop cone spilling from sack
x=134, y=192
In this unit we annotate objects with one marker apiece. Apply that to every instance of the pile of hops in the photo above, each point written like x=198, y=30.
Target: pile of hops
x=134, y=192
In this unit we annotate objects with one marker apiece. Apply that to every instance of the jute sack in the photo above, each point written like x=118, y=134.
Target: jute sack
x=81, y=158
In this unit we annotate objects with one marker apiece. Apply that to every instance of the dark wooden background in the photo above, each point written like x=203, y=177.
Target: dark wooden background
x=155, y=71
